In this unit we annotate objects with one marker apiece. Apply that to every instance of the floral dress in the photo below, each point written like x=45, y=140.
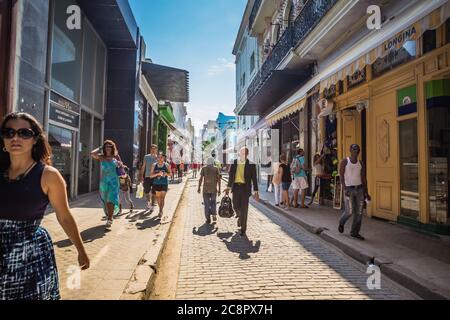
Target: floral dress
x=109, y=185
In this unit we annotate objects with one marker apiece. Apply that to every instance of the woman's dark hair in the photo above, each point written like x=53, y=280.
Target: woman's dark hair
x=115, y=152
x=41, y=150
x=283, y=157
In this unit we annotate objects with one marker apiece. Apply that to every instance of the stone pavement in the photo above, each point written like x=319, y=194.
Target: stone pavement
x=418, y=261
x=277, y=260
x=114, y=254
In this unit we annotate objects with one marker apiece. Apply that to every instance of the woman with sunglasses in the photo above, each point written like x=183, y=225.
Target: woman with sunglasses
x=160, y=172
x=109, y=182
x=27, y=185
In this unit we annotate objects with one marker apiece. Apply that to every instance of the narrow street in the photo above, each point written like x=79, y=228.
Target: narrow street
x=277, y=260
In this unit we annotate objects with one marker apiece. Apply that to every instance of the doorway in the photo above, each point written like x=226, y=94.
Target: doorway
x=63, y=144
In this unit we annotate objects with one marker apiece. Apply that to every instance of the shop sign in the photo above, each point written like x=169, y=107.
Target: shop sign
x=64, y=117
x=357, y=78
x=64, y=103
x=401, y=38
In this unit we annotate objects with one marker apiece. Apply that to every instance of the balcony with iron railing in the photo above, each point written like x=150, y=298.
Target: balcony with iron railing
x=308, y=18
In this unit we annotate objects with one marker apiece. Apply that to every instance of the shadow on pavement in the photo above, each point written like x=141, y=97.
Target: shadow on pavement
x=239, y=244
x=205, y=230
x=88, y=235
x=139, y=215
x=149, y=223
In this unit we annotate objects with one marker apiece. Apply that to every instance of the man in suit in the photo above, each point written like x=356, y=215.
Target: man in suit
x=242, y=176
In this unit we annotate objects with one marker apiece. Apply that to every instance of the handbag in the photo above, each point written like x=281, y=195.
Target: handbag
x=120, y=171
x=140, y=191
x=226, y=208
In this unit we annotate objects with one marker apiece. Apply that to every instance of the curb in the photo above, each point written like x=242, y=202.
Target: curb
x=145, y=273
x=398, y=274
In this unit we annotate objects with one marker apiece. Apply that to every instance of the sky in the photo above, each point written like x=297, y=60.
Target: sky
x=197, y=36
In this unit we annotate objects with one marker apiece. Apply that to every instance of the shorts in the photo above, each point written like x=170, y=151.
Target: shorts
x=300, y=183
x=285, y=186
x=148, y=183
x=160, y=188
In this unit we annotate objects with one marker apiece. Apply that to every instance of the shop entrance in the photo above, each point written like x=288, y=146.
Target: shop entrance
x=63, y=143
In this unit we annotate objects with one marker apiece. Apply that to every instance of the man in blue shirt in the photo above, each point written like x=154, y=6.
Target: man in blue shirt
x=300, y=179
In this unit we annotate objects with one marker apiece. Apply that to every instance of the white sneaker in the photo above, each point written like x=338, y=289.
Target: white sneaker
x=108, y=224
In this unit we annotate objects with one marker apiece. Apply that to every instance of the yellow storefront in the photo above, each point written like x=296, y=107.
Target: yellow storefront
x=397, y=108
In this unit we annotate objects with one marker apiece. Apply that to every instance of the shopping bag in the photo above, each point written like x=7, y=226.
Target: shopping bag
x=140, y=191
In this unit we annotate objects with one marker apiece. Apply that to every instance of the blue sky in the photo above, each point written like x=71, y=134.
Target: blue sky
x=198, y=36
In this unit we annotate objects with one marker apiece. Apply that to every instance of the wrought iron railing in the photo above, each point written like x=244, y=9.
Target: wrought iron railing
x=254, y=12
x=310, y=15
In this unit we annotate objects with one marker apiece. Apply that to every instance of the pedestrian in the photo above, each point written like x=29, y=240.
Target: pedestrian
x=194, y=169
x=211, y=175
x=109, y=183
x=125, y=190
x=242, y=176
x=28, y=183
x=354, y=184
x=300, y=183
x=276, y=180
x=149, y=160
x=318, y=173
x=286, y=179
x=160, y=172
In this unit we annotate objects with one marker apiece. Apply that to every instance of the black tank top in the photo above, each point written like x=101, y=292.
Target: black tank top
x=24, y=199
x=287, y=177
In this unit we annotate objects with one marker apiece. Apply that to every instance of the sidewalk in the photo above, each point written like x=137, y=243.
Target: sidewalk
x=122, y=260
x=417, y=261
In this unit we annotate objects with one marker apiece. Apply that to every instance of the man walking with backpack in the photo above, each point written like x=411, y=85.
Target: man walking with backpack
x=300, y=182
x=211, y=175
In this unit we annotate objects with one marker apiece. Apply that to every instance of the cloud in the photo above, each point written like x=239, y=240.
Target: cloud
x=223, y=66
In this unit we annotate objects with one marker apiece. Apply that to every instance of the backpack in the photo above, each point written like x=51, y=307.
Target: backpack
x=295, y=166
x=226, y=208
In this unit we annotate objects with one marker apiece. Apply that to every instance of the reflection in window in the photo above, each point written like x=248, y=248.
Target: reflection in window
x=66, y=54
x=438, y=115
x=395, y=58
x=409, y=169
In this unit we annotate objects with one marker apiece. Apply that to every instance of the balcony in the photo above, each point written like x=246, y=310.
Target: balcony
x=308, y=18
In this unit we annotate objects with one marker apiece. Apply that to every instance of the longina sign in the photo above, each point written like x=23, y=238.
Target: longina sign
x=410, y=34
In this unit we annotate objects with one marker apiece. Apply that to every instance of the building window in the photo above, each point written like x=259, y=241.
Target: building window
x=447, y=30
x=243, y=80
x=252, y=62
x=66, y=54
x=429, y=41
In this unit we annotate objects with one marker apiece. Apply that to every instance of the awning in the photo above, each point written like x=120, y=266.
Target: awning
x=167, y=83
x=326, y=109
x=277, y=115
x=392, y=40
x=166, y=113
x=332, y=70
x=261, y=124
x=113, y=20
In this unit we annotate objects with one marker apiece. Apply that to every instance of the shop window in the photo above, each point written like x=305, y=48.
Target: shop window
x=100, y=78
x=66, y=54
x=395, y=58
x=429, y=41
x=85, y=148
x=438, y=117
x=409, y=169
x=97, y=141
x=90, y=43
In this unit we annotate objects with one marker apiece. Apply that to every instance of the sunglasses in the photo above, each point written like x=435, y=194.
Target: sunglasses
x=24, y=133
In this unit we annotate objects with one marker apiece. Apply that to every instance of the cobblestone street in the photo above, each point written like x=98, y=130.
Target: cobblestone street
x=277, y=260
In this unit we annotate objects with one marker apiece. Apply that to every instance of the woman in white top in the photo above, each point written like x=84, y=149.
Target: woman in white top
x=318, y=173
x=276, y=180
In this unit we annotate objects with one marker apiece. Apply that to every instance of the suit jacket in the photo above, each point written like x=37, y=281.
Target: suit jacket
x=249, y=177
